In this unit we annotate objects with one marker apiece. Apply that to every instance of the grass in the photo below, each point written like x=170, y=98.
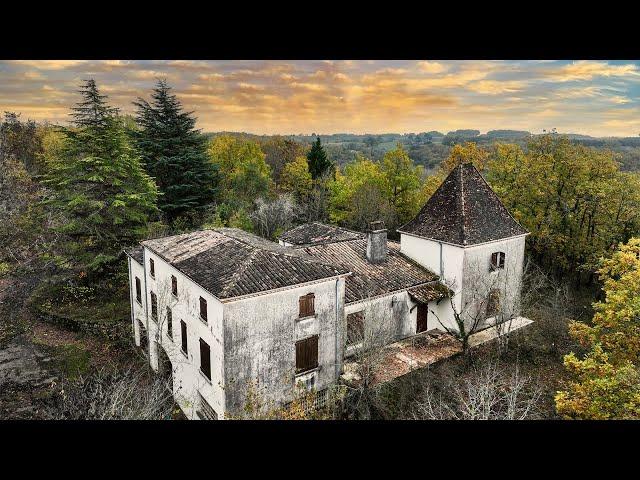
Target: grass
x=72, y=360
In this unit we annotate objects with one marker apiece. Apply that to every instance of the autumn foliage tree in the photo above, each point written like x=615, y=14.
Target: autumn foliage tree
x=605, y=383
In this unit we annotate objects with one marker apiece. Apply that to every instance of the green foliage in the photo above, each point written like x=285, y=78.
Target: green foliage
x=98, y=187
x=319, y=164
x=403, y=182
x=174, y=154
x=244, y=174
x=606, y=383
x=296, y=179
x=573, y=199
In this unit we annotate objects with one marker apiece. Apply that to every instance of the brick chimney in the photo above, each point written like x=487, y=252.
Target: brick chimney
x=377, y=242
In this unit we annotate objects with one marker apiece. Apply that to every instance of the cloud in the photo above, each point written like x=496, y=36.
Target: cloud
x=587, y=70
x=431, y=67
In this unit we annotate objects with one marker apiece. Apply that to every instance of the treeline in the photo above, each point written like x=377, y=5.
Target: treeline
x=76, y=196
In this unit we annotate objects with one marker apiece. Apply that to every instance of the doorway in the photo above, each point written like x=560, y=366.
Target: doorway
x=422, y=315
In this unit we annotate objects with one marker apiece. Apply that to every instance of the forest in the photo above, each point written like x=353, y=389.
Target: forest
x=72, y=198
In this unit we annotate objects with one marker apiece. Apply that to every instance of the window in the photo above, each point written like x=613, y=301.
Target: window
x=174, y=286
x=152, y=268
x=307, y=354
x=205, y=359
x=497, y=260
x=138, y=291
x=144, y=341
x=169, y=322
x=355, y=328
x=154, y=307
x=493, y=303
x=307, y=307
x=203, y=309
x=183, y=332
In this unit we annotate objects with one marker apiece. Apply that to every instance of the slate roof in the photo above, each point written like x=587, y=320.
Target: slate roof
x=397, y=272
x=316, y=233
x=230, y=263
x=136, y=253
x=464, y=211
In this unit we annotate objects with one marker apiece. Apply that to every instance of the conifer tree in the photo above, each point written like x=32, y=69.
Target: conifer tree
x=99, y=190
x=318, y=161
x=174, y=153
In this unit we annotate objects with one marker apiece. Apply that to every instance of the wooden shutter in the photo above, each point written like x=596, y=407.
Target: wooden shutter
x=307, y=307
x=183, y=331
x=205, y=359
x=501, y=260
x=174, y=286
x=307, y=354
x=494, y=260
x=138, y=291
x=152, y=267
x=203, y=309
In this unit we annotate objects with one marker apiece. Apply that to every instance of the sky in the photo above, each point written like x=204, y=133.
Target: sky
x=599, y=98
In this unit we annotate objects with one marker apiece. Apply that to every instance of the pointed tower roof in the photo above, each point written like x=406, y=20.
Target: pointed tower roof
x=464, y=211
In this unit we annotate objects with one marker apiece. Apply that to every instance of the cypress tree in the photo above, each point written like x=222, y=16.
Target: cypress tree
x=318, y=161
x=99, y=190
x=174, y=153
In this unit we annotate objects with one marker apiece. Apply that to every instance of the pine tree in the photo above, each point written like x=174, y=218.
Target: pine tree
x=318, y=161
x=174, y=154
x=99, y=190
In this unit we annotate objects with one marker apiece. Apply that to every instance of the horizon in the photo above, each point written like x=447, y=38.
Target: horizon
x=592, y=98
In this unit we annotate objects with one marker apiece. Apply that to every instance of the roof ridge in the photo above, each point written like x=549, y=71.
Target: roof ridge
x=462, y=205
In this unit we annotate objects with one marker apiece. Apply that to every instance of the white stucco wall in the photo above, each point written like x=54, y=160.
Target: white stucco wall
x=260, y=334
x=138, y=309
x=187, y=378
x=479, y=278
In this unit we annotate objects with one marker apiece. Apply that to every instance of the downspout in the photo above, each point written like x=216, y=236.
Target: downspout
x=441, y=264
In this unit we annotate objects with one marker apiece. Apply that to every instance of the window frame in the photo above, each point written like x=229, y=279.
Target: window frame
x=206, y=374
x=152, y=268
x=498, y=260
x=204, y=318
x=309, y=298
x=309, y=366
x=174, y=286
x=138, y=287
x=184, y=339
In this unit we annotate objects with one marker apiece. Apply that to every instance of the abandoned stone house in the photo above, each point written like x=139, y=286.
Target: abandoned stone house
x=219, y=310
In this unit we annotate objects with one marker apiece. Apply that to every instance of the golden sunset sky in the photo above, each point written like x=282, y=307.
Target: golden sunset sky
x=599, y=98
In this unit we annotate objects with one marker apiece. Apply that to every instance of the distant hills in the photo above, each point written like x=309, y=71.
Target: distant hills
x=430, y=148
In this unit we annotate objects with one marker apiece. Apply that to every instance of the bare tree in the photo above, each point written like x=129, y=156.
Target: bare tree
x=125, y=394
x=274, y=216
x=486, y=393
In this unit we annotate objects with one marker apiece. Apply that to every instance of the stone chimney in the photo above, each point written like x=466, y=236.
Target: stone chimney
x=377, y=242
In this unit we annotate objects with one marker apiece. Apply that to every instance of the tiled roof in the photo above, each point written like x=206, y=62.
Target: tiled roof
x=464, y=211
x=317, y=233
x=136, y=253
x=230, y=263
x=397, y=272
x=429, y=292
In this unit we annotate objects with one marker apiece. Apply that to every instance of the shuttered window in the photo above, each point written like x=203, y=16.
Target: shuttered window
x=203, y=309
x=205, y=359
x=497, y=260
x=152, y=267
x=355, y=328
x=307, y=307
x=138, y=291
x=183, y=333
x=169, y=322
x=174, y=286
x=307, y=354
x=154, y=307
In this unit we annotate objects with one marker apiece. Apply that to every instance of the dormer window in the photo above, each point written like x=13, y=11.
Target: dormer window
x=497, y=260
